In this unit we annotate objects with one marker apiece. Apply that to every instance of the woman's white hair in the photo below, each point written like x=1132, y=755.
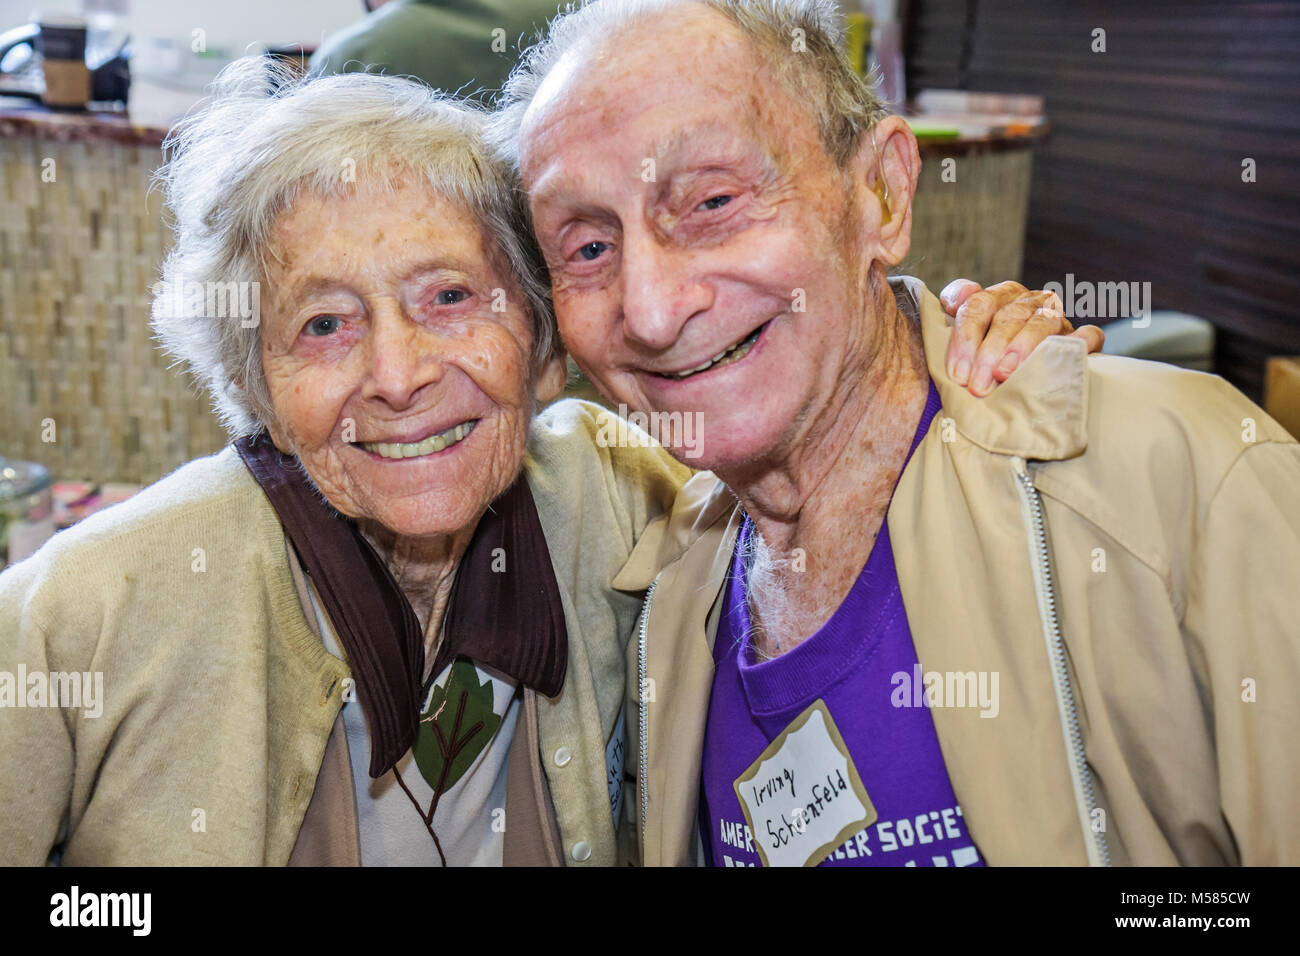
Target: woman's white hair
x=236, y=164
x=800, y=41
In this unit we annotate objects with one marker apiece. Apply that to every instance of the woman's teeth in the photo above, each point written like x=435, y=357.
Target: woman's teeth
x=726, y=356
x=417, y=448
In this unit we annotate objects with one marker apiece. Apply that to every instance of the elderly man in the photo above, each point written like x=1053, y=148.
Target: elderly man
x=1056, y=626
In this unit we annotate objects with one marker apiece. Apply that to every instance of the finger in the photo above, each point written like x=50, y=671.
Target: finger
x=1052, y=303
x=972, y=327
x=972, y=322
x=1093, y=335
x=1044, y=322
x=1006, y=324
x=1047, y=319
x=955, y=293
x=1007, y=292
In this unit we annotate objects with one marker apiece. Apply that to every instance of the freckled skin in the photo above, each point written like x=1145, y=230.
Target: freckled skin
x=399, y=363
x=812, y=426
x=593, y=124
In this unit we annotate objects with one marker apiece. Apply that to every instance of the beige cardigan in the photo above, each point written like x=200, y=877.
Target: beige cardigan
x=219, y=698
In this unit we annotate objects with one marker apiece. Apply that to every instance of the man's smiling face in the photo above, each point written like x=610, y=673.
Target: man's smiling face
x=690, y=215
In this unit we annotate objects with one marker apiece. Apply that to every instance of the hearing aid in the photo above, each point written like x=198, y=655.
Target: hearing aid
x=881, y=189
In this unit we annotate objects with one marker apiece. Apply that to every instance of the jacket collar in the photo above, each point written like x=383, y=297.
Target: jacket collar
x=1040, y=413
x=701, y=503
x=508, y=614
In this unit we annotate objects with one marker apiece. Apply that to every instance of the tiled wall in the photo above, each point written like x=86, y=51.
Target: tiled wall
x=78, y=256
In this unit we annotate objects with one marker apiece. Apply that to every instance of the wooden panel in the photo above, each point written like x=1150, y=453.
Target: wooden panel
x=1141, y=177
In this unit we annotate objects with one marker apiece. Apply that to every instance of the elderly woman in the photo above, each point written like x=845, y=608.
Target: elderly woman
x=383, y=401
x=379, y=628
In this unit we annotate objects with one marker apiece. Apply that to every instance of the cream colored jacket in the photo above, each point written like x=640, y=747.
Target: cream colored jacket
x=218, y=697
x=1120, y=541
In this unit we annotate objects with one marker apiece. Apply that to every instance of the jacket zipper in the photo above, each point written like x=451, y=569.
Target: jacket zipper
x=643, y=725
x=1084, y=796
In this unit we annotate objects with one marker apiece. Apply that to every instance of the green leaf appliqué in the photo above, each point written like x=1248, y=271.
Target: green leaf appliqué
x=458, y=725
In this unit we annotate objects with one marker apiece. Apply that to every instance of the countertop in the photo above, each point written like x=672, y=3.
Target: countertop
x=151, y=116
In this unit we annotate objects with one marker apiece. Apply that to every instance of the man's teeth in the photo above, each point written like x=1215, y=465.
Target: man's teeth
x=417, y=448
x=725, y=357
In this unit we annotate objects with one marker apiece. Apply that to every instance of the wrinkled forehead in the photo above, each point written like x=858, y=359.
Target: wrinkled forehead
x=693, y=89
x=348, y=228
x=683, y=57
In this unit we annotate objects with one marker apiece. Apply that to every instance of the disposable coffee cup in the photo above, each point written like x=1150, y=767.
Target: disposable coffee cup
x=62, y=45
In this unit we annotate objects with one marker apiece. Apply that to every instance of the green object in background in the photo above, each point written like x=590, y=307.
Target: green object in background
x=858, y=37
x=460, y=46
x=922, y=130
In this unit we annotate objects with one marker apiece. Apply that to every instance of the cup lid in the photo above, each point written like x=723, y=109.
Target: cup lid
x=60, y=18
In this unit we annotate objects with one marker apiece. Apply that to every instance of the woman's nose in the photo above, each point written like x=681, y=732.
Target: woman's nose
x=403, y=357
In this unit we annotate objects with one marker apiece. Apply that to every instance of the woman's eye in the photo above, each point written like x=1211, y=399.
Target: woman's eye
x=592, y=250
x=324, y=325
x=450, y=297
x=716, y=202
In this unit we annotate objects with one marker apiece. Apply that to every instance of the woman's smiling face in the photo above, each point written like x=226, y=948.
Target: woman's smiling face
x=397, y=351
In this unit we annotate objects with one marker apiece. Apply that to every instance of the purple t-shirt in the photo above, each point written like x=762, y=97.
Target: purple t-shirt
x=857, y=665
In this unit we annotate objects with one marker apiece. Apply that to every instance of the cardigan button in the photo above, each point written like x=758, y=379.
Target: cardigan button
x=581, y=851
x=562, y=757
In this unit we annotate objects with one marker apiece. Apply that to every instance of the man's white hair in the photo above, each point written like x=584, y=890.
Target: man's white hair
x=801, y=41
x=239, y=162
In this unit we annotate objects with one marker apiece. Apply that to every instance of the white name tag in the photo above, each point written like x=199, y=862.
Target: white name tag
x=802, y=797
x=614, y=766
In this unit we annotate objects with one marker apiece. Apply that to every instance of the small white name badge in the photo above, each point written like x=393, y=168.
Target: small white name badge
x=802, y=797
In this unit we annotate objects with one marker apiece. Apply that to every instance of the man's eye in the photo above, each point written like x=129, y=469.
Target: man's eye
x=592, y=250
x=324, y=325
x=450, y=297
x=716, y=202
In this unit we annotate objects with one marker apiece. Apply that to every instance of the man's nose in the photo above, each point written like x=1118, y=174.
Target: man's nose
x=660, y=290
x=403, y=356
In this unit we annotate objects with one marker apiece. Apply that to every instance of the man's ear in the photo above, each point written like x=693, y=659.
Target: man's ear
x=551, y=377
x=889, y=161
